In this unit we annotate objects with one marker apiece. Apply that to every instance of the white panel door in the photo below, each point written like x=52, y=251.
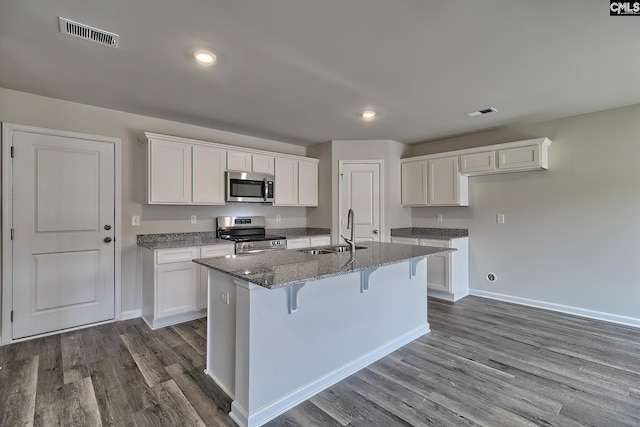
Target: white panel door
x=262, y=164
x=178, y=288
x=63, y=216
x=438, y=266
x=208, y=175
x=360, y=191
x=238, y=161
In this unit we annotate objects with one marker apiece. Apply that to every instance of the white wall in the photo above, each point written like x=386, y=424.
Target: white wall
x=572, y=233
x=23, y=108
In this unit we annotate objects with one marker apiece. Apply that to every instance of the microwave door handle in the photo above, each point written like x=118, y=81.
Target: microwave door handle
x=265, y=190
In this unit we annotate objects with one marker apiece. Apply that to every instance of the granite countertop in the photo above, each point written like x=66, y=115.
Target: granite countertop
x=291, y=233
x=180, y=240
x=282, y=268
x=430, y=233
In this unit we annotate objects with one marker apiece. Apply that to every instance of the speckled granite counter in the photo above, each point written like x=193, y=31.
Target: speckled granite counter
x=283, y=268
x=291, y=233
x=180, y=240
x=430, y=233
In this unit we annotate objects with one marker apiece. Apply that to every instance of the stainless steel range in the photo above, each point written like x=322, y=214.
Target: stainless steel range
x=249, y=234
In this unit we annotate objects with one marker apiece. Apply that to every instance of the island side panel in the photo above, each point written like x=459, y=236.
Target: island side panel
x=221, y=331
x=283, y=358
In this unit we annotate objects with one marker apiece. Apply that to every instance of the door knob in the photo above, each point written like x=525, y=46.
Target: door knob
x=107, y=239
x=375, y=231
x=107, y=227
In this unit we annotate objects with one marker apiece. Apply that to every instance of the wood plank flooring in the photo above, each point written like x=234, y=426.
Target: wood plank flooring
x=485, y=363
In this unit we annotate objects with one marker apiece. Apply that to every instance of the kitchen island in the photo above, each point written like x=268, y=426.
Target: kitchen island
x=284, y=325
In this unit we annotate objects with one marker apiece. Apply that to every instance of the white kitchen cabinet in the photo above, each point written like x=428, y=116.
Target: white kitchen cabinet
x=286, y=182
x=446, y=186
x=183, y=174
x=208, y=175
x=307, y=183
x=414, y=183
x=434, y=182
x=475, y=163
x=243, y=161
x=522, y=158
x=172, y=285
x=448, y=273
x=210, y=252
x=168, y=166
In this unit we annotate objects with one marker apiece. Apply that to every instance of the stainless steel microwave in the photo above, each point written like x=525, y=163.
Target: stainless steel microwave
x=249, y=187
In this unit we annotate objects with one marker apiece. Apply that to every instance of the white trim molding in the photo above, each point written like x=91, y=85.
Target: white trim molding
x=567, y=309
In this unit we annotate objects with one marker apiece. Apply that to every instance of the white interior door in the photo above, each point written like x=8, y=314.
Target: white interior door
x=63, y=221
x=360, y=191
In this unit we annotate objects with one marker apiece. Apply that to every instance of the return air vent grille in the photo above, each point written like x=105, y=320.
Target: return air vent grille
x=86, y=32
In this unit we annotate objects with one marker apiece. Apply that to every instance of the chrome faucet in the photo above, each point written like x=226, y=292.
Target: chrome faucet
x=350, y=225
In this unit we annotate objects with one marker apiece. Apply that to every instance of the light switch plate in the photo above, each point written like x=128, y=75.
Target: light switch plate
x=194, y=220
x=500, y=218
x=135, y=221
x=439, y=217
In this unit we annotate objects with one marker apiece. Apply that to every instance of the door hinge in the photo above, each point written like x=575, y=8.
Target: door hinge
x=12, y=315
x=12, y=232
x=12, y=151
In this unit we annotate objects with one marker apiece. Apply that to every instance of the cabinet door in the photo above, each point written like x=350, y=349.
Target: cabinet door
x=414, y=183
x=262, y=164
x=298, y=243
x=286, y=185
x=177, y=288
x=169, y=172
x=208, y=166
x=443, y=181
x=438, y=276
x=519, y=158
x=307, y=183
x=210, y=252
x=478, y=162
x=320, y=241
x=238, y=161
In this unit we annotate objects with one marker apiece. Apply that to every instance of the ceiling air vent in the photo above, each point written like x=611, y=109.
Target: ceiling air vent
x=481, y=112
x=86, y=32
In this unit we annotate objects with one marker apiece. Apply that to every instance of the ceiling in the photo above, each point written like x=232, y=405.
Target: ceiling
x=302, y=71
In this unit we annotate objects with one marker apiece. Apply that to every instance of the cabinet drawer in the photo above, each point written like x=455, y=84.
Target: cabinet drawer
x=320, y=241
x=404, y=240
x=167, y=256
x=519, y=158
x=216, y=251
x=298, y=243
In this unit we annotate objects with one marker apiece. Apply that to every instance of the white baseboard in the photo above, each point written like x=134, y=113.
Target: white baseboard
x=131, y=314
x=577, y=311
x=269, y=412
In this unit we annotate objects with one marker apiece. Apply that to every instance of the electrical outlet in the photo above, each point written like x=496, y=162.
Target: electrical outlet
x=278, y=218
x=194, y=219
x=500, y=218
x=224, y=297
x=439, y=217
x=135, y=221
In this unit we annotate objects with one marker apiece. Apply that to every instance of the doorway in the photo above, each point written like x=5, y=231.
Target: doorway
x=61, y=231
x=361, y=189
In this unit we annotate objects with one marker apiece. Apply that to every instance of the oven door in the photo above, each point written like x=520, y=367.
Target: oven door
x=249, y=187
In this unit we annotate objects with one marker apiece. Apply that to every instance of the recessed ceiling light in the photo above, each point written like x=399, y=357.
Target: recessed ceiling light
x=368, y=115
x=204, y=57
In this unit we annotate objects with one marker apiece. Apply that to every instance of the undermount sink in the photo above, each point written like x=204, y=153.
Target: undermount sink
x=315, y=251
x=343, y=248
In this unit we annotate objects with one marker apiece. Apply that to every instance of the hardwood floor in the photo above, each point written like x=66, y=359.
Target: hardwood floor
x=485, y=363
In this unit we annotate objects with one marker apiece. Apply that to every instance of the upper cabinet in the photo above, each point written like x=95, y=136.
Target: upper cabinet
x=296, y=182
x=181, y=171
x=434, y=182
x=243, y=161
x=442, y=179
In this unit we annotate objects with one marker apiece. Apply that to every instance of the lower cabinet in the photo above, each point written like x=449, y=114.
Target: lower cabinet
x=174, y=289
x=306, y=242
x=448, y=273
